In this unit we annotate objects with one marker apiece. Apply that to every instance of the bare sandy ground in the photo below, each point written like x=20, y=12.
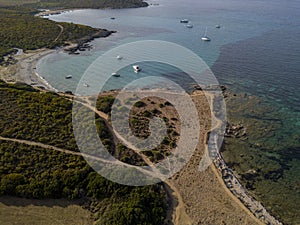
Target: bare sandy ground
x=207, y=199
x=24, y=70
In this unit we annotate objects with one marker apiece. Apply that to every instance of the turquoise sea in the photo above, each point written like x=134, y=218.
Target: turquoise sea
x=256, y=53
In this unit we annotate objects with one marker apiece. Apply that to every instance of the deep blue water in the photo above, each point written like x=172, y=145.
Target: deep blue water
x=256, y=50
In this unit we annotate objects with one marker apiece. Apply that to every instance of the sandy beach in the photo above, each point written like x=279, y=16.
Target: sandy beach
x=24, y=70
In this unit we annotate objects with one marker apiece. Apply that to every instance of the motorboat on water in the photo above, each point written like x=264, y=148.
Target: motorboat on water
x=68, y=76
x=115, y=74
x=205, y=38
x=136, y=68
x=184, y=21
x=86, y=85
x=189, y=26
x=119, y=57
x=218, y=26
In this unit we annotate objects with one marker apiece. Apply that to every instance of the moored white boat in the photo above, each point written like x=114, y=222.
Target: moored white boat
x=136, y=68
x=205, y=37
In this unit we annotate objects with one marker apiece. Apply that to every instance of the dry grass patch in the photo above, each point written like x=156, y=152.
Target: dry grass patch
x=47, y=212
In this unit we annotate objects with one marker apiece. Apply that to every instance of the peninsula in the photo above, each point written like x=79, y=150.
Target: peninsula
x=39, y=152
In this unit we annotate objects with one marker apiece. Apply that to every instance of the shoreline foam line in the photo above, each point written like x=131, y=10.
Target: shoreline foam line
x=45, y=83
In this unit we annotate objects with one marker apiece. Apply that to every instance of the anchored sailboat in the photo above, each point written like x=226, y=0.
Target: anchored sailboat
x=205, y=37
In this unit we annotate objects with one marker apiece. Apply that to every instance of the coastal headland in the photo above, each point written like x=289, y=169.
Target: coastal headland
x=214, y=196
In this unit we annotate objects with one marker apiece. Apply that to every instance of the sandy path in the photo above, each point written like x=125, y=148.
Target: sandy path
x=60, y=33
x=38, y=144
x=179, y=215
x=217, y=124
x=65, y=151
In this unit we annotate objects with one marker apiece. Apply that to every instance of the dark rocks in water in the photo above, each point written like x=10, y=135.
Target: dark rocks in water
x=210, y=87
x=274, y=175
x=235, y=131
x=250, y=186
x=69, y=92
x=196, y=87
x=223, y=88
x=83, y=45
x=224, y=91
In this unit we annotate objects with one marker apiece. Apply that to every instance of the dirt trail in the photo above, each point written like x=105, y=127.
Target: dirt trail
x=38, y=144
x=180, y=216
x=60, y=33
x=50, y=147
x=216, y=124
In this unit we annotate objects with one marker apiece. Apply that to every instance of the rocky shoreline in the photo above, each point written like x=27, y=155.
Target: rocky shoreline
x=82, y=44
x=236, y=130
x=233, y=184
x=230, y=178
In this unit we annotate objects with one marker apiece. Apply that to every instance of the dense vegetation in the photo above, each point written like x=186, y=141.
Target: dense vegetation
x=141, y=114
x=15, y=2
x=46, y=118
x=104, y=103
x=91, y=3
x=74, y=3
x=30, y=115
x=34, y=172
x=28, y=32
x=5, y=3
x=21, y=29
